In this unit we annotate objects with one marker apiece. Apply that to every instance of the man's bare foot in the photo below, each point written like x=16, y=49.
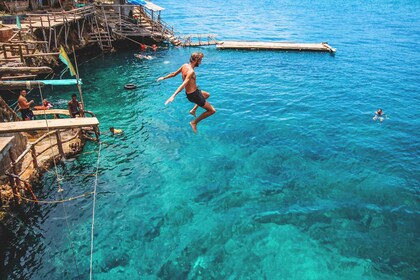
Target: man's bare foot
x=194, y=127
x=192, y=112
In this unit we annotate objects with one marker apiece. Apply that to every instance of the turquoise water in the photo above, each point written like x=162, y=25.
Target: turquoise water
x=290, y=179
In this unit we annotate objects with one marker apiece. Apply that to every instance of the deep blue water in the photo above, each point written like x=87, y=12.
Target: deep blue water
x=290, y=179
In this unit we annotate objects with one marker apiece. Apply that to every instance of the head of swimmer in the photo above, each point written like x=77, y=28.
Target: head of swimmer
x=379, y=112
x=196, y=58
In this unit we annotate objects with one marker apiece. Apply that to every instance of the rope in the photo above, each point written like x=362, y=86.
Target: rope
x=60, y=190
x=57, y=201
x=93, y=214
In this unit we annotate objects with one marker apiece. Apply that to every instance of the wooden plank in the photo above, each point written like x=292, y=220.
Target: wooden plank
x=5, y=85
x=33, y=70
x=51, y=112
x=23, y=126
x=286, y=46
x=18, y=77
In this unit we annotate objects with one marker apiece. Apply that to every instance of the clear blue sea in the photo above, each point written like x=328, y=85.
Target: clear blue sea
x=290, y=179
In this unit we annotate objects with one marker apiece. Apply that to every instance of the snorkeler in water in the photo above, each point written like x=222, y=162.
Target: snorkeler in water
x=379, y=115
x=115, y=131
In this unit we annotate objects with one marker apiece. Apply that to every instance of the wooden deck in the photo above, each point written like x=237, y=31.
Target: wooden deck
x=51, y=112
x=52, y=124
x=283, y=46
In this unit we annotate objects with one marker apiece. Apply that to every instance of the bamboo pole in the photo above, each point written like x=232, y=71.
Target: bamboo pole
x=29, y=188
x=34, y=159
x=59, y=143
x=18, y=70
x=13, y=181
x=79, y=87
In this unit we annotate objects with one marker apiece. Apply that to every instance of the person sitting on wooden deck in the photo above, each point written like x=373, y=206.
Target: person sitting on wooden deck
x=45, y=105
x=74, y=106
x=24, y=106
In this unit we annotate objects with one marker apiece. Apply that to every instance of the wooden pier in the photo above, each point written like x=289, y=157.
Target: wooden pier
x=24, y=126
x=281, y=46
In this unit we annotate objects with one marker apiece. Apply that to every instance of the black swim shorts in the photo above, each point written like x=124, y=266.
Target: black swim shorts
x=27, y=114
x=197, y=98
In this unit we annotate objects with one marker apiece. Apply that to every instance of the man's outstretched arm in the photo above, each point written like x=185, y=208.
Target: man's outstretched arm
x=173, y=74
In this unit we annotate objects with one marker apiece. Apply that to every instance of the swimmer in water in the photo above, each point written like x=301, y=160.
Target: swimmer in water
x=141, y=56
x=379, y=115
x=115, y=131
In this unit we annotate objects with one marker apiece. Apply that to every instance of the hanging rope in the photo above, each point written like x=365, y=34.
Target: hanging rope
x=93, y=213
x=60, y=190
x=57, y=201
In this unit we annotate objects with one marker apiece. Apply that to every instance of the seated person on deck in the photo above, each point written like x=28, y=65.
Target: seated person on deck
x=45, y=105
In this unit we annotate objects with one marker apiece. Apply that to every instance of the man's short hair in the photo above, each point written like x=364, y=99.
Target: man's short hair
x=196, y=56
x=73, y=95
x=22, y=90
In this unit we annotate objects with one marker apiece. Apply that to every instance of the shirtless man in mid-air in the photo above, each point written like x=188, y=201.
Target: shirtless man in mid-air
x=194, y=94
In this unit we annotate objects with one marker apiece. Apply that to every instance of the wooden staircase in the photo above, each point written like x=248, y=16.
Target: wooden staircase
x=101, y=32
x=158, y=28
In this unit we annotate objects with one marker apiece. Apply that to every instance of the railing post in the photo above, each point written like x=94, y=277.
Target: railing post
x=4, y=52
x=59, y=143
x=29, y=188
x=21, y=54
x=34, y=159
x=13, y=181
x=14, y=190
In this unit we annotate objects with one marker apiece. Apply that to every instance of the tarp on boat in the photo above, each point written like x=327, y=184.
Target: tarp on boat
x=147, y=4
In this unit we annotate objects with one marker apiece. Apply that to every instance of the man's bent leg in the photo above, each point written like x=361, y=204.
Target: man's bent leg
x=194, y=109
x=209, y=111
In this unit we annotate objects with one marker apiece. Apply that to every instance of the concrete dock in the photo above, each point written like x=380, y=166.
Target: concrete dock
x=282, y=46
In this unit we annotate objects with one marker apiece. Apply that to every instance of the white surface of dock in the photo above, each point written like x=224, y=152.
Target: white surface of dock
x=285, y=46
x=23, y=126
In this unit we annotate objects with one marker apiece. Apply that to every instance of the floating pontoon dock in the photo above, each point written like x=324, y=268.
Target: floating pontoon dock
x=244, y=45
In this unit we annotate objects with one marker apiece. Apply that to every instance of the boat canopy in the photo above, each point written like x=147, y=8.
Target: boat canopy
x=147, y=4
x=63, y=82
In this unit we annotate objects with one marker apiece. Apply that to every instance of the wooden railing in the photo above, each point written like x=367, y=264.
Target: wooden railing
x=15, y=173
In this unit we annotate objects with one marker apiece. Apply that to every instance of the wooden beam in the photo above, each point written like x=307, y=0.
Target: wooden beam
x=7, y=78
x=40, y=54
x=32, y=70
x=5, y=85
x=66, y=123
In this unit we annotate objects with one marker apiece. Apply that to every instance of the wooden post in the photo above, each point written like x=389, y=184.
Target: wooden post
x=34, y=159
x=14, y=181
x=96, y=130
x=59, y=143
x=4, y=52
x=29, y=188
x=21, y=54
x=14, y=190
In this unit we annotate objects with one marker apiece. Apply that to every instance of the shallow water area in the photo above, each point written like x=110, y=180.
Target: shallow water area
x=290, y=179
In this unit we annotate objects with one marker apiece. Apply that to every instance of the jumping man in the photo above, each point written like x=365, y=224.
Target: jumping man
x=194, y=94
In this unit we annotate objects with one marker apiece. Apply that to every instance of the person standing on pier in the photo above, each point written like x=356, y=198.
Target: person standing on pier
x=194, y=94
x=24, y=106
x=74, y=106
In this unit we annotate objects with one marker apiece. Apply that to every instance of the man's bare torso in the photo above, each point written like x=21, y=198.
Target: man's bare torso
x=191, y=86
x=23, y=103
